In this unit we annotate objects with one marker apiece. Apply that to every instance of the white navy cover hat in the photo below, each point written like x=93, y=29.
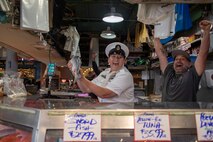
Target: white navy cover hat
x=117, y=48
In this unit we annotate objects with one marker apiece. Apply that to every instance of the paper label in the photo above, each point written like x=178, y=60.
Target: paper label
x=204, y=123
x=150, y=126
x=82, y=127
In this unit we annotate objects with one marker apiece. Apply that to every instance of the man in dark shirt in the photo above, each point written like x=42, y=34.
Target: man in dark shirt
x=181, y=79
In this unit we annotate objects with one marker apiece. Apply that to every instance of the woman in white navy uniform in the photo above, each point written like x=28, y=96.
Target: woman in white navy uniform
x=114, y=84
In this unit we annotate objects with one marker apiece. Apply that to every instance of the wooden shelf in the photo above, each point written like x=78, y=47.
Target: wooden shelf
x=187, y=46
x=137, y=67
x=191, y=45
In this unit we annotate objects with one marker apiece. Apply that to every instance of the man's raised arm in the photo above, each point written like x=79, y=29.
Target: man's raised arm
x=159, y=51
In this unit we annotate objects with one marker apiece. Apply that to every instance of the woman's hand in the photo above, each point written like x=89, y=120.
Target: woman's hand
x=69, y=65
x=73, y=70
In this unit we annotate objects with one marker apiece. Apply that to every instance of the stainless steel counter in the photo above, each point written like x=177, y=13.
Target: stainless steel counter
x=47, y=115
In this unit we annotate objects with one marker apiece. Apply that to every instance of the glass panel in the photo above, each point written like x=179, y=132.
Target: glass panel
x=14, y=133
x=112, y=135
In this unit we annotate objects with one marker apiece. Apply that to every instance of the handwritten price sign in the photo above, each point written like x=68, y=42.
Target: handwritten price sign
x=82, y=127
x=204, y=123
x=149, y=126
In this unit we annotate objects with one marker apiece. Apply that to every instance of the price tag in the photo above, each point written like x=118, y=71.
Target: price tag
x=204, y=123
x=150, y=126
x=82, y=127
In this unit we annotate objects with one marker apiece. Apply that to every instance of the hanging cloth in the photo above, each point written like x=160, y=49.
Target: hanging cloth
x=165, y=27
x=183, y=21
x=144, y=36
x=72, y=42
x=137, y=31
x=151, y=13
x=128, y=37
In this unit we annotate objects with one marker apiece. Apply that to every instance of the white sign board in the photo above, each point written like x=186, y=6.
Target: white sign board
x=204, y=123
x=82, y=127
x=150, y=126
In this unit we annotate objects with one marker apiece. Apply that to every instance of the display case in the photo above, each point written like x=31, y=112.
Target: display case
x=43, y=119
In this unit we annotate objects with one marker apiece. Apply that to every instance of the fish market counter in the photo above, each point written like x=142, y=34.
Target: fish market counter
x=39, y=120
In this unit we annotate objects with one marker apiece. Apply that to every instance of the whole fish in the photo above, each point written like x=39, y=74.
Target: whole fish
x=76, y=65
x=75, y=56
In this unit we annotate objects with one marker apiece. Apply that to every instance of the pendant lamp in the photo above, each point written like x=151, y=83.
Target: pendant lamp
x=108, y=34
x=113, y=17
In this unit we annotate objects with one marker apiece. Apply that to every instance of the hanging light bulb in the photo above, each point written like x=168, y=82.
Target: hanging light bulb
x=113, y=17
x=108, y=34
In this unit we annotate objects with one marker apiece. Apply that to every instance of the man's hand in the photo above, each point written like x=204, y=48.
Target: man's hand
x=200, y=62
x=205, y=25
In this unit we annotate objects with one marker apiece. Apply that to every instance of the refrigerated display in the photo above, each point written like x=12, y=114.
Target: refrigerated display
x=42, y=120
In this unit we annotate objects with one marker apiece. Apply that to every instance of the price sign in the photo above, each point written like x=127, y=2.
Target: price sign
x=150, y=126
x=82, y=127
x=204, y=123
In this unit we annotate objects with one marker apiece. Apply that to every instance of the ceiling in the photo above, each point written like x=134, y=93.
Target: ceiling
x=86, y=16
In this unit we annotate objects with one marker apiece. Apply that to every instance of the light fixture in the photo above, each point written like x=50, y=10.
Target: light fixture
x=108, y=34
x=113, y=17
